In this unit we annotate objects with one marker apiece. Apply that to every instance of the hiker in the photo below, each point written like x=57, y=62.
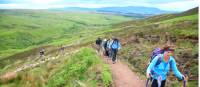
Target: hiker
x=159, y=67
x=98, y=43
x=114, y=49
x=103, y=47
x=109, y=43
x=42, y=54
x=106, y=48
x=62, y=49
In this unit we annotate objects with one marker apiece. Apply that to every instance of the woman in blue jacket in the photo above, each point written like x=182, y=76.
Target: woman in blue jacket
x=160, y=66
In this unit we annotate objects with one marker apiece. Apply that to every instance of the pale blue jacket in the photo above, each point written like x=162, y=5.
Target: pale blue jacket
x=163, y=68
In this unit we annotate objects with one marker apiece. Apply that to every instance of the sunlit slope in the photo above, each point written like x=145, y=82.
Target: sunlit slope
x=24, y=28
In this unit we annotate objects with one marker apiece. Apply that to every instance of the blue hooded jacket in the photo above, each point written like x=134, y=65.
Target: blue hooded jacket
x=163, y=68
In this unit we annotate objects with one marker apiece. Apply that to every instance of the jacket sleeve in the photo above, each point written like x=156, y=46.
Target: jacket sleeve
x=175, y=70
x=110, y=44
x=152, y=64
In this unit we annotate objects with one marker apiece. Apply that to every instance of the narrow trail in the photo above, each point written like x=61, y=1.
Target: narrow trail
x=123, y=75
x=32, y=65
x=41, y=62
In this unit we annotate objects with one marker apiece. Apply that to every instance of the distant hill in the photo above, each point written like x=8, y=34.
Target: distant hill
x=170, y=16
x=132, y=11
x=74, y=9
x=189, y=12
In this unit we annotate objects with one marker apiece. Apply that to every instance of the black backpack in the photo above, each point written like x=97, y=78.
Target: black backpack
x=105, y=44
x=98, y=41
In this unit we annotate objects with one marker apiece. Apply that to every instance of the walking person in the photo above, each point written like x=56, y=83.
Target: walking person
x=109, y=43
x=114, y=49
x=62, y=49
x=103, y=47
x=106, y=48
x=42, y=54
x=98, y=44
x=160, y=66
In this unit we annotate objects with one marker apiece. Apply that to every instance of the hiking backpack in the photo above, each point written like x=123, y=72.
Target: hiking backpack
x=157, y=52
x=98, y=41
x=115, y=44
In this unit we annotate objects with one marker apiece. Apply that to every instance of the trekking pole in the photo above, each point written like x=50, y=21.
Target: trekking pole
x=148, y=79
x=147, y=83
x=184, y=82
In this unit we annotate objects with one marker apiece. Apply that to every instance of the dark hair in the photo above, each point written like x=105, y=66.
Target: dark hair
x=170, y=49
x=167, y=48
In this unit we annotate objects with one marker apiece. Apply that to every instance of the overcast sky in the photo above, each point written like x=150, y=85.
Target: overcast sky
x=170, y=5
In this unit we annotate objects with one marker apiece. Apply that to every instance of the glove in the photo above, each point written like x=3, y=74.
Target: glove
x=183, y=77
x=148, y=75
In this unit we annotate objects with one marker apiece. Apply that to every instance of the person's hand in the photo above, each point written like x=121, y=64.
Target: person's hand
x=183, y=77
x=148, y=75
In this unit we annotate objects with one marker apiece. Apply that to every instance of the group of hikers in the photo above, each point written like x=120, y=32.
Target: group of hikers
x=160, y=61
x=108, y=47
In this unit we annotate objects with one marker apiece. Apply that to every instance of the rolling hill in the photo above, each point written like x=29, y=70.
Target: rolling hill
x=47, y=29
x=130, y=11
x=21, y=29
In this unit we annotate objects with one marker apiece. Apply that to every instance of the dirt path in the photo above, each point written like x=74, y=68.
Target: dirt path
x=123, y=76
x=12, y=74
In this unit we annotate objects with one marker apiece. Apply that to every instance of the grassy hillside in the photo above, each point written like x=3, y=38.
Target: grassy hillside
x=163, y=17
x=183, y=31
x=81, y=29
x=30, y=28
x=83, y=68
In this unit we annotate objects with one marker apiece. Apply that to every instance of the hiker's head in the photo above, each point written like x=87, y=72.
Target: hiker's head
x=168, y=47
x=165, y=47
x=167, y=54
x=98, y=38
x=170, y=51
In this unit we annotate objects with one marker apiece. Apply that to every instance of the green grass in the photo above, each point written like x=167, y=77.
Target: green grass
x=19, y=41
x=29, y=28
x=84, y=68
x=106, y=76
x=74, y=69
x=181, y=27
x=184, y=18
x=189, y=84
x=78, y=69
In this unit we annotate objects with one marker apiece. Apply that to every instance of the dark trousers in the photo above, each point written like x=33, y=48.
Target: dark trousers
x=155, y=83
x=114, y=54
x=110, y=53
